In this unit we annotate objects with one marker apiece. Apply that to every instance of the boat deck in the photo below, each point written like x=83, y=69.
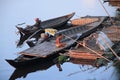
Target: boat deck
x=48, y=48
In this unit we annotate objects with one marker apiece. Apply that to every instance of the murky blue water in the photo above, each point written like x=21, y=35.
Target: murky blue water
x=13, y=12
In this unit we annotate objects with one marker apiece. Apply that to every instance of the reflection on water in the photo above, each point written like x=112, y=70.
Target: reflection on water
x=88, y=66
x=23, y=72
x=84, y=66
x=83, y=62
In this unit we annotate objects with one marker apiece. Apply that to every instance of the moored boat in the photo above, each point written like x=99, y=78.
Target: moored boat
x=51, y=23
x=48, y=48
x=41, y=52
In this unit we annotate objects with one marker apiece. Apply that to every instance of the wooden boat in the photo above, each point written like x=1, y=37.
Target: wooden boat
x=41, y=52
x=48, y=48
x=51, y=23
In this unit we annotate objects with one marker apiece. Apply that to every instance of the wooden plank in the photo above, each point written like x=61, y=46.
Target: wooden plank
x=82, y=55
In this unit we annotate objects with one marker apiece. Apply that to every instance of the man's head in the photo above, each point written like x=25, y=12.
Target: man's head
x=43, y=35
x=37, y=19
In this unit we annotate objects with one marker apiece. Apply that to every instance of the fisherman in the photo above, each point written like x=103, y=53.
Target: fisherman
x=38, y=23
x=34, y=27
x=58, y=41
x=49, y=32
x=31, y=29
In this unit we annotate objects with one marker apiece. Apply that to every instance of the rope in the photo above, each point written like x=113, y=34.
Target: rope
x=87, y=48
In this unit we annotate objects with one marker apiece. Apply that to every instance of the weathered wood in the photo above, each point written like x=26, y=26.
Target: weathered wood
x=113, y=33
x=83, y=55
x=47, y=48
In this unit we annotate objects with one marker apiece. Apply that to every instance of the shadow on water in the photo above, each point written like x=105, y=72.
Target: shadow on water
x=23, y=72
x=44, y=64
x=40, y=65
x=83, y=61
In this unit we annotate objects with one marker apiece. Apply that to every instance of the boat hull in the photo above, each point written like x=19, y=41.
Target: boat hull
x=33, y=61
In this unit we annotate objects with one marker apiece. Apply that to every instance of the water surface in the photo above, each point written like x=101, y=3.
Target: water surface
x=13, y=12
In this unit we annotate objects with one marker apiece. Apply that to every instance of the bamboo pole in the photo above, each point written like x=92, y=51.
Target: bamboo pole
x=106, y=12
x=108, y=15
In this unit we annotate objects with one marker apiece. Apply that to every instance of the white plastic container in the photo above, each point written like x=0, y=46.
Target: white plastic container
x=104, y=42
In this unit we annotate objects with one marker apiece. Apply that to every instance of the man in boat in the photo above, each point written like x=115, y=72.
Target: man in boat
x=48, y=33
x=38, y=23
x=59, y=44
x=31, y=29
x=34, y=27
x=28, y=31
